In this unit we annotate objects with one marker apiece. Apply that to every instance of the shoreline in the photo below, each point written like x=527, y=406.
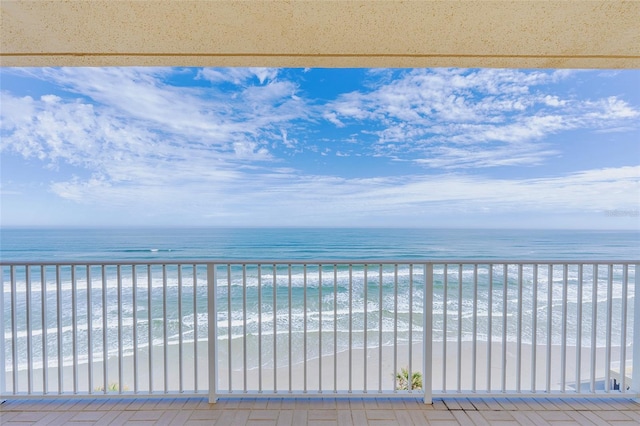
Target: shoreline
x=331, y=374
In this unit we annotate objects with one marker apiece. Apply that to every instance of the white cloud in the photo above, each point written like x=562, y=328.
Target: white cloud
x=427, y=112
x=450, y=157
x=15, y=111
x=554, y=101
x=611, y=109
x=289, y=143
x=589, y=191
x=134, y=110
x=333, y=118
x=250, y=150
x=238, y=76
x=286, y=197
x=206, y=115
x=136, y=141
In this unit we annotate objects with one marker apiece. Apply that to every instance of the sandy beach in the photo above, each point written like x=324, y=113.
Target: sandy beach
x=329, y=373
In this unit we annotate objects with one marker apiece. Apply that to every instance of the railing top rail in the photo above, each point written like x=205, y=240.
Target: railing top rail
x=322, y=262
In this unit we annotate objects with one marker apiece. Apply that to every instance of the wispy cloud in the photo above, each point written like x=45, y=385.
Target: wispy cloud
x=203, y=114
x=124, y=122
x=238, y=76
x=473, y=118
x=249, y=146
x=288, y=197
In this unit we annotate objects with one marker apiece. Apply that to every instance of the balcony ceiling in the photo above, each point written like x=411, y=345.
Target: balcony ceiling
x=468, y=33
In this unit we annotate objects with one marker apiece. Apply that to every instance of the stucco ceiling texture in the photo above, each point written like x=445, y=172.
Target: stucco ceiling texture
x=322, y=33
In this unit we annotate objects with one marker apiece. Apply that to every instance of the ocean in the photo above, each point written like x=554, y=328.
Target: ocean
x=335, y=294
x=68, y=244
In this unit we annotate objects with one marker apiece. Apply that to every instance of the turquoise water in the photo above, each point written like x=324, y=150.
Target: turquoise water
x=313, y=243
x=329, y=290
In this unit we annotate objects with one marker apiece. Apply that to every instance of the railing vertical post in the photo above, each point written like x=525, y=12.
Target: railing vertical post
x=635, y=378
x=212, y=332
x=427, y=361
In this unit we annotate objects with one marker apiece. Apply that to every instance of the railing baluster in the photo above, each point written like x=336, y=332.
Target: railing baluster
x=45, y=349
x=150, y=327
x=607, y=354
x=74, y=328
x=165, y=330
x=445, y=311
x=410, y=367
x=195, y=328
x=212, y=332
x=105, y=354
x=427, y=334
x=335, y=327
x=489, y=326
x=229, y=334
x=519, y=333
x=395, y=331
x=275, y=336
x=594, y=317
x=549, y=322
x=260, y=330
x=459, y=384
x=563, y=346
x=504, y=330
x=320, y=328
x=89, y=329
x=579, y=329
x=14, y=329
x=59, y=319
x=380, y=329
x=350, y=327
x=134, y=297
x=474, y=336
x=304, y=336
x=27, y=274
x=244, y=328
x=534, y=327
x=180, y=339
x=364, y=364
x=119, y=302
x=290, y=333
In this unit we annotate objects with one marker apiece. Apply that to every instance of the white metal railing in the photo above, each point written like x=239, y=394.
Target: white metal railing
x=102, y=328
x=300, y=328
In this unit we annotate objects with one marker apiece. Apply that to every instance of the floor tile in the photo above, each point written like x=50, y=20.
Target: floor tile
x=264, y=414
x=322, y=412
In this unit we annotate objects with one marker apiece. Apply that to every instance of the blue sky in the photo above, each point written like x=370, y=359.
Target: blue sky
x=320, y=147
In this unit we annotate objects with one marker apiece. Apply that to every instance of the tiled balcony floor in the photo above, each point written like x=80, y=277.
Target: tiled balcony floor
x=321, y=412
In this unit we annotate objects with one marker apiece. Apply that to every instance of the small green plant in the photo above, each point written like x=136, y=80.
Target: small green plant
x=113, y=387
x=402, y=380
